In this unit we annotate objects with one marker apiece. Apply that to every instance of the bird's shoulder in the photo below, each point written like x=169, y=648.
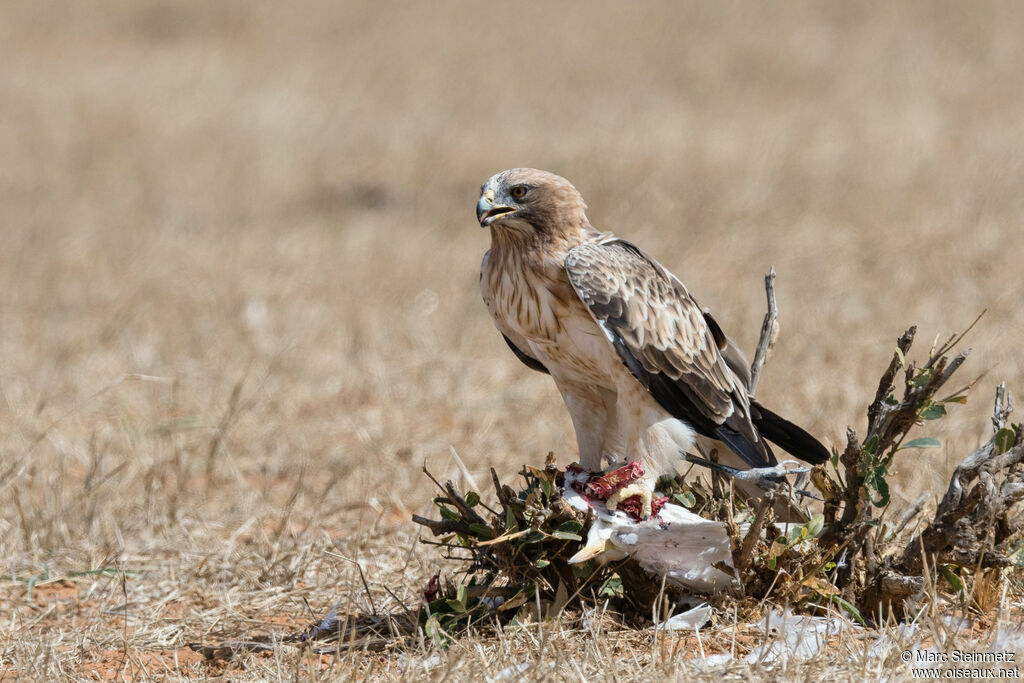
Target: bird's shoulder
x=650, y=316
x=614, y=272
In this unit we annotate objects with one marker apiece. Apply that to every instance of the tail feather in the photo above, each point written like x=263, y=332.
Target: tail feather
x=745, y=448
x=787, y=435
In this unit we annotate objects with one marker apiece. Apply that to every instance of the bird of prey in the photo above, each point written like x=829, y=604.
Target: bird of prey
x=643, y=369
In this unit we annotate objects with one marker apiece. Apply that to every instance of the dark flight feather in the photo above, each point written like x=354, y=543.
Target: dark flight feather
x=788, y=436
x=528, y=361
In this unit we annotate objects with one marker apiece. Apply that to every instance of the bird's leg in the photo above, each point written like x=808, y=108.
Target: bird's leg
x=763, y=477
x=588, y=412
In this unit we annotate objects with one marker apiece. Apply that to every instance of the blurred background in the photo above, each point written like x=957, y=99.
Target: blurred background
x=267, y=211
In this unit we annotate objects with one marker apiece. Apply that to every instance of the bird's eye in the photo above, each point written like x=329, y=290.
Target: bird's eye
x=518, y=192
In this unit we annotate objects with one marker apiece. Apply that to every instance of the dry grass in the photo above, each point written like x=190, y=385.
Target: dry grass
x=238, y=303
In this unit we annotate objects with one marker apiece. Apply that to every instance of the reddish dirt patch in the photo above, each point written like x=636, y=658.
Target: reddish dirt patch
x=44, y=593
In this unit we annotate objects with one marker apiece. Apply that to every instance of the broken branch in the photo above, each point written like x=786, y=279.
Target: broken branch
x=769, y=333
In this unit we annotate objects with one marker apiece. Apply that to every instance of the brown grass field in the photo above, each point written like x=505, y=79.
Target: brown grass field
x=239, y=305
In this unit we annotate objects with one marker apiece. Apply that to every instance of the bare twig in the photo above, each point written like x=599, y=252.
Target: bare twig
x=769, y=332
x=440, y=527
x=1002, y=409
x=954, y=340
x=879, y=407
x=764, y=506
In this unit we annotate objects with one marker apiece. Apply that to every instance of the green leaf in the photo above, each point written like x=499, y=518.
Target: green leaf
x=612, y=588
x=472, y=499
x=882, y=486
x=566, y=535
x=871, y=445
x=439, y=606
x=853, y=611
x=1004, y=440
x=457, y=606
x=449, y=514
x=534, y=536
x=541, y=564
x=874, y=471
x=921, y=379
x=686, y=499
x=955, y=581
x=925, y=442
x=482, y=530
x=572, y=526
x=934, y=412
x=816, y=524
x=585, y=571
x=433, y=631
x=510, y=521
x=772, y=562
x=835, y=459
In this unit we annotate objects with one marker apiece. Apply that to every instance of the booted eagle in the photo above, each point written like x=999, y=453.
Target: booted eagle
x=643, y=369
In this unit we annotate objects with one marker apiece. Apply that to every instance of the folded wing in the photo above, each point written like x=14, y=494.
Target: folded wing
x=666, y=341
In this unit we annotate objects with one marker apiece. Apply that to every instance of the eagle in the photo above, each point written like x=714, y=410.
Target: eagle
x=643, y=369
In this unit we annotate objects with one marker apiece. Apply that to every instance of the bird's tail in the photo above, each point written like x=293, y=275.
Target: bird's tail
x=787, y=435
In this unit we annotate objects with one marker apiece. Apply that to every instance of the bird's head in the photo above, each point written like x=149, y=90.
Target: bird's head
x=526, y=199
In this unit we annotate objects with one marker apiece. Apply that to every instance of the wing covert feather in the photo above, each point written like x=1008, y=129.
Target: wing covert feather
x=663, y=336
x=656, y=318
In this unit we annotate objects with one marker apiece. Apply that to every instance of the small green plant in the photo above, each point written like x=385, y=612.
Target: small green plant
x=516, y=556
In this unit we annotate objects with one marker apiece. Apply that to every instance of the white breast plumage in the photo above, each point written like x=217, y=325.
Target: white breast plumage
x=522, y=299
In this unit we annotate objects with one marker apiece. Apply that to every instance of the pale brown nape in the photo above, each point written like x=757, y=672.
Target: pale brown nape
x=553, y=206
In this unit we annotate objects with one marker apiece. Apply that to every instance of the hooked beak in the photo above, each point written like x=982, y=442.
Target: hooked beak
x=487, y=212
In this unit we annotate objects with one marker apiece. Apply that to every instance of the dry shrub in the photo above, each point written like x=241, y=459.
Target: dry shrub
x=852, y=554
